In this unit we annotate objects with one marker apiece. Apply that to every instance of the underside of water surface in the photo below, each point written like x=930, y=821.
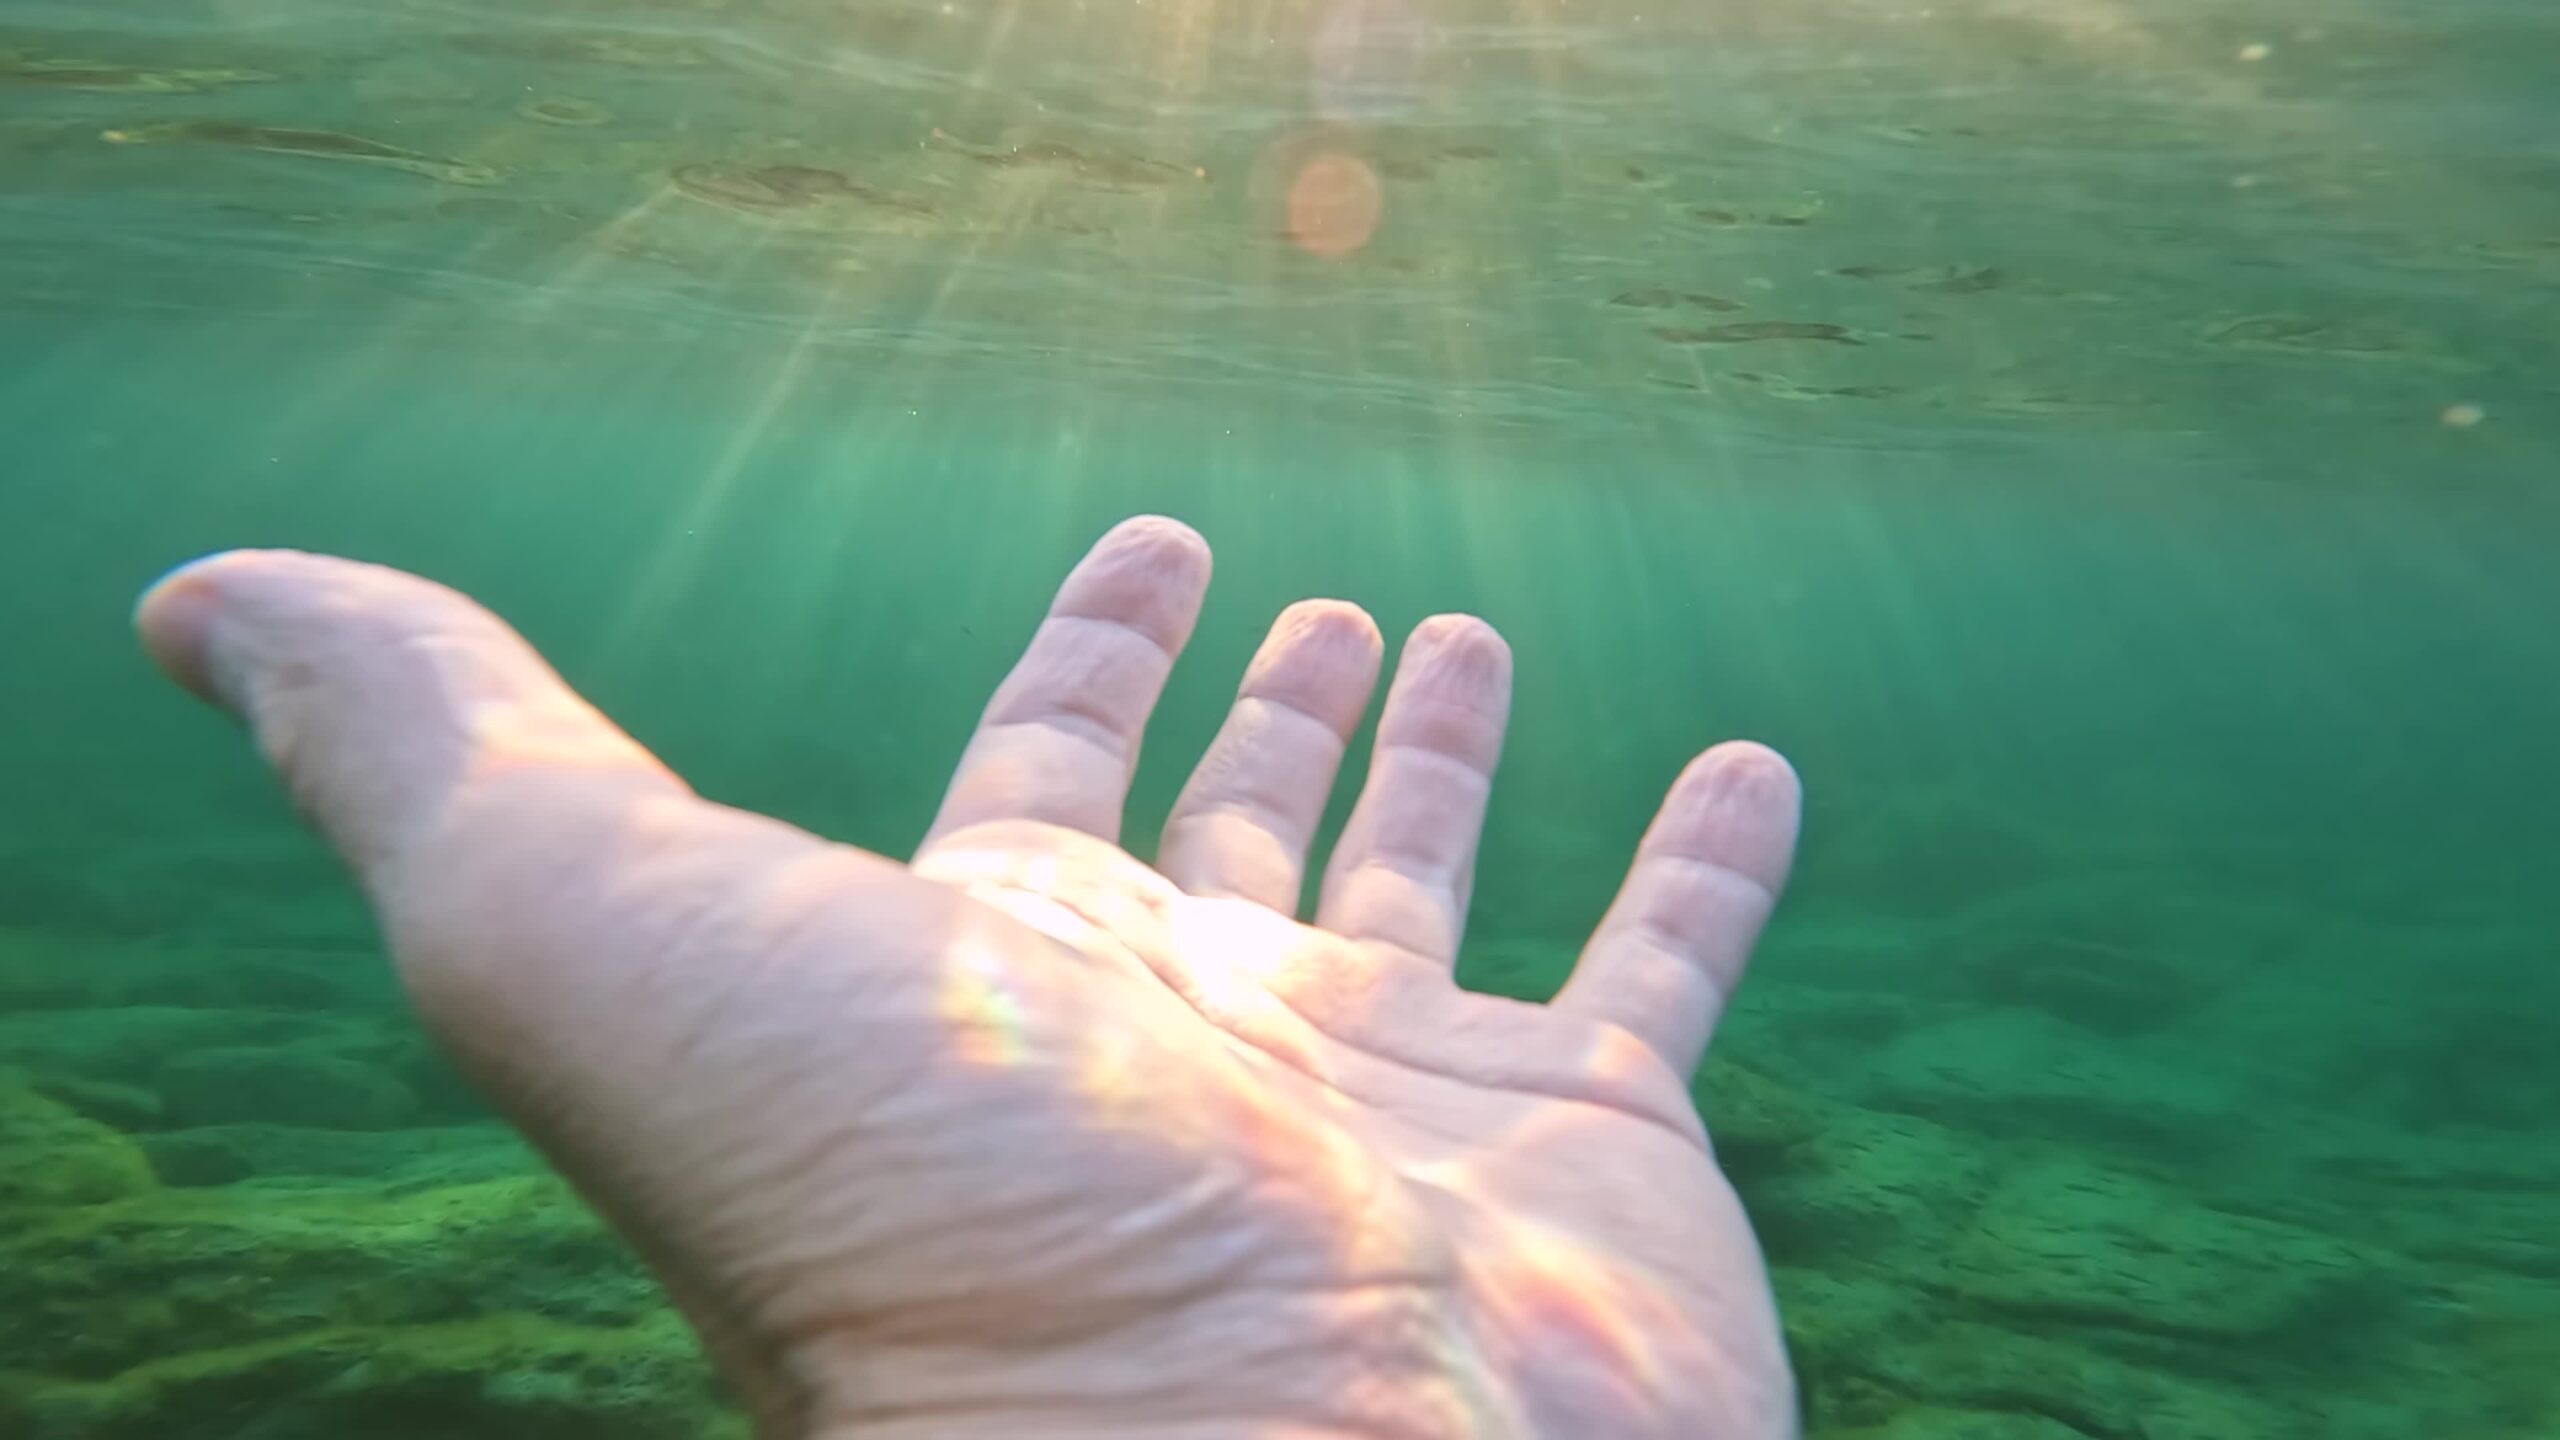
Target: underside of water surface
x=2106, y=444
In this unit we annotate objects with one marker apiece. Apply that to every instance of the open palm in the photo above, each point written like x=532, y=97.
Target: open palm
x=1025, y=1137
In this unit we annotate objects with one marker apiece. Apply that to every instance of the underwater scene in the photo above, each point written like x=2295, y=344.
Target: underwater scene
x=2108, y=446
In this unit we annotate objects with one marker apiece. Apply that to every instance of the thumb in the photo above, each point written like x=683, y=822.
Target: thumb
x=382, y=699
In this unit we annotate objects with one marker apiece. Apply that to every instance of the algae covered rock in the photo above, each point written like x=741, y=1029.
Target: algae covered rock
x=52, y=1156
x=394, y=1162
x=328, y=1308
x=132, y=1044
x=2062, y=1241
x=512, y=1376
x=282, y=1086
x=121, y=1107
x=188, y=1159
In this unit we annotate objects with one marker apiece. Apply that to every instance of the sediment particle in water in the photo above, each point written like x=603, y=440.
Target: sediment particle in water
x=1745, y=331
x=564, y=110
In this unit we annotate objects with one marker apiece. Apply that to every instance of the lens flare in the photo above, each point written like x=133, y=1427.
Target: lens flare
x=1335, y=205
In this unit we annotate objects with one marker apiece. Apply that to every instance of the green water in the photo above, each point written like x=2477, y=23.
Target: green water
x=2107, y=444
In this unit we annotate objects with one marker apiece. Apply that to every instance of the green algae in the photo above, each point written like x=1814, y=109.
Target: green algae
x=52, y=1157
x=496, y=1305
x=512, y=1375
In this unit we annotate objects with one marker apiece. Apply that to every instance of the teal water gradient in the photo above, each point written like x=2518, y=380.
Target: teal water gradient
x=2158, y=1040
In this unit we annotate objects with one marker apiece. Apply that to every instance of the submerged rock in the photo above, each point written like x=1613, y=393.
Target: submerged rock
x=282, y=1087
x=52, y=1157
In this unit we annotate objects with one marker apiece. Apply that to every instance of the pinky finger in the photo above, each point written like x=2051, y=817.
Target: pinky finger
x=1672, y=948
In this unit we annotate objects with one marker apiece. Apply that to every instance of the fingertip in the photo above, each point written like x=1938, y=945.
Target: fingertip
x=1746, y=770
x=1461, y=632
x=174, y=618
x=1337, y=630
x=1737, y=805
x=1149, y=573
x=1320, y=658
x=1162, y=542
x=1457, y=657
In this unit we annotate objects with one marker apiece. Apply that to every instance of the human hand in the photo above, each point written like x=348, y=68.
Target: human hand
x=1027, y=1138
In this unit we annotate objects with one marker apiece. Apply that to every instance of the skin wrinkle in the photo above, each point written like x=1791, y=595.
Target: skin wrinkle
x=1092, y=732
x=1295, y=1066
x=1357, y=1048
x=1677, y=952
x=1414, y=862
x=1663, y=987
x=1043, y=1411
x=1165, y=645
x=1475, y=786
x=1158, y=650
x=1475, y=772
x=1279, y=710
x=712, y=1015
x=1278, y=698
x=1427, y=905
x=958, y=1324
x=1147, y=1313
x=1265, y=823
x=1443, y=725
x=1287, y=1062
x=1308, y=1352
x=1718, y=872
